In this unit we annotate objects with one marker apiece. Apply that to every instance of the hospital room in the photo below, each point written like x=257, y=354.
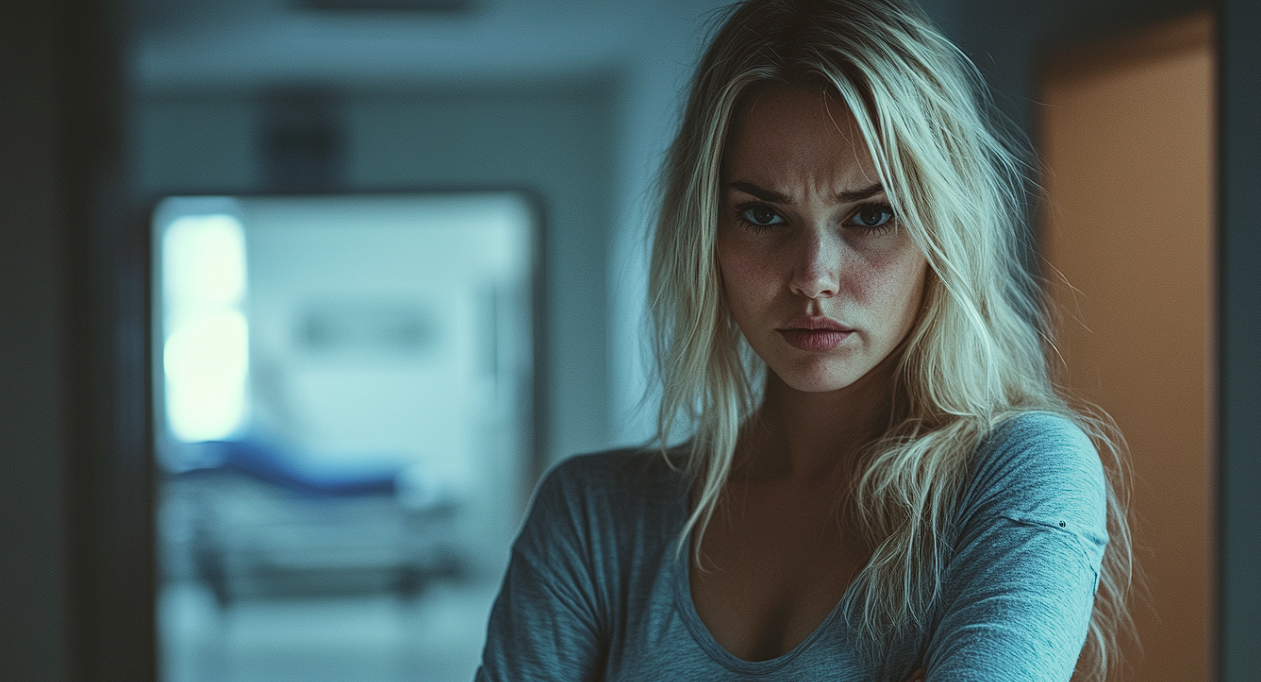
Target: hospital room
x=305, y=297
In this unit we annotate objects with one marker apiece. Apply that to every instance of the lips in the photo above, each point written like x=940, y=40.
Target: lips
x=814, y=334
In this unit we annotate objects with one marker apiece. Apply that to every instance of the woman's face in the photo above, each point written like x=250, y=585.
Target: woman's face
x=821, y=279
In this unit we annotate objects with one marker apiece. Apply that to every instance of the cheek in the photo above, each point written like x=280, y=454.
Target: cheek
x=745, y=275
x=907, y=292
x=892, y=289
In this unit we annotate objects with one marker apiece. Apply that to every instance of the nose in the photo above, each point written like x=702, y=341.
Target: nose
x=816, y=273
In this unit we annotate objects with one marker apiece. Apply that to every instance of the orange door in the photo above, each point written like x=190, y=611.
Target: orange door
x=1127, y=132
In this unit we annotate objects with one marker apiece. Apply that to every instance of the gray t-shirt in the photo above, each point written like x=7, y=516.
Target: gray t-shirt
x=596, y=591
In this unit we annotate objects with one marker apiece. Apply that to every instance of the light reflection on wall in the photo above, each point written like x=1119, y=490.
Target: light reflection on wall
x=206, y=348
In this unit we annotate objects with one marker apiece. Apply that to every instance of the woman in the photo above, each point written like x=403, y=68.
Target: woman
x=881, y=482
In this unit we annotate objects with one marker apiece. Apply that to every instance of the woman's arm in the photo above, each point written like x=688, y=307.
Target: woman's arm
x=1020, y=587
x=545, y=623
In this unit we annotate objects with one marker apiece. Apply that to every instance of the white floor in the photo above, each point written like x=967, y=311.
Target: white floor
x=437, y=637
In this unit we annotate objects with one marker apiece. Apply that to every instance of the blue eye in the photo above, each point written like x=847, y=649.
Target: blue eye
x=760, y=215
x=871, y=216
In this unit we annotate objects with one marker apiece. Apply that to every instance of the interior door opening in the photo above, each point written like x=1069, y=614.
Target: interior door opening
x=344, y=426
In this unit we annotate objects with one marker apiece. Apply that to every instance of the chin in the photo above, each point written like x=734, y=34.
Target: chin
x=819, y=380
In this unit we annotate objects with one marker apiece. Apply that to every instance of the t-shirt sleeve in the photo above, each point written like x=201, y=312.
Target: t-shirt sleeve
x=1020, y=587
x=545, y=623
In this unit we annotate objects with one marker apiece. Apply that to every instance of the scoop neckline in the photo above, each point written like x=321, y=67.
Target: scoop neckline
x=681, y=567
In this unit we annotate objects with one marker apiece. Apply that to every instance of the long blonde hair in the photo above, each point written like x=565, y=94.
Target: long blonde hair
x=977, y=355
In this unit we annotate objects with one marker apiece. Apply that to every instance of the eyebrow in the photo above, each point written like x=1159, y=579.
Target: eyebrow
x=771, y=196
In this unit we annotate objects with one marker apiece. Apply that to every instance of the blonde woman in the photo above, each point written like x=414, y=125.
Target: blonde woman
x=880, y=481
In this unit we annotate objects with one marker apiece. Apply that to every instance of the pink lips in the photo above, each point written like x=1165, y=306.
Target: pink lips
x=815, y=334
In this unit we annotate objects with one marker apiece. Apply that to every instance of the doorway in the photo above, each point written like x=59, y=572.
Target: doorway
x=344, y=428
x=1128, y=236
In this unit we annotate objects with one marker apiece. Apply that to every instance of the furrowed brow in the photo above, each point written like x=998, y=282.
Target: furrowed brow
x=860, y=194
x=771, y=196
x=768, y=195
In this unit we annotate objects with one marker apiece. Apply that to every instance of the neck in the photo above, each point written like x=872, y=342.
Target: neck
x=816, y=436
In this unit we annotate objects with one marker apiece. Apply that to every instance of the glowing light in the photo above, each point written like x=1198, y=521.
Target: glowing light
x=206, y=361
x=206, y=353
x=203, y=261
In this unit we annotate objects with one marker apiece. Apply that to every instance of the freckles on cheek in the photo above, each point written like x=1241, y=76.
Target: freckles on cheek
x=750, y=282
x=865, y=281
x=886, y=281
x=736, y=268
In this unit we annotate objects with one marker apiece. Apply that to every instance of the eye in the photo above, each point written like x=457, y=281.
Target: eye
x=871, y=216
x=760, y=215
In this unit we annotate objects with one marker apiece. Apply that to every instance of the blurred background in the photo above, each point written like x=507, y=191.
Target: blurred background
x=437, y=213
x=302, y=296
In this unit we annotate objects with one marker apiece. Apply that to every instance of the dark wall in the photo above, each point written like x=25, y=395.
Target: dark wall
x=34, y=562
x=76, y=599
x=1239, y=365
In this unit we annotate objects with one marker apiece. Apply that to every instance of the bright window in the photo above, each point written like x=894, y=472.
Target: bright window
x=205, y=354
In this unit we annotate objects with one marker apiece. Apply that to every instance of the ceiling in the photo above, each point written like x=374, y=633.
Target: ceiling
x=234, y=43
